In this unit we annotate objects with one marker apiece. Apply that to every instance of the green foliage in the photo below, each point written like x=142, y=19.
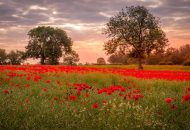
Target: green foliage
x=3, y=56
x=186, y=63
x=71, y=58
x=15, y=57
x=47, y=43
x=170, y=56
x=136, y=32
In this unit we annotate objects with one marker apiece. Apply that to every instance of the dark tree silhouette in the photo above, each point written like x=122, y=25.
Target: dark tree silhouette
x=47, y=43
x=136, y=31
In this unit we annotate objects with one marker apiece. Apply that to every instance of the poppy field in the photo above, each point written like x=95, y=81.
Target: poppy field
x=74, y=97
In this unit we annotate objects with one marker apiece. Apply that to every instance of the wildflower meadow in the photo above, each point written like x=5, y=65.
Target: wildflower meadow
x=74, y=97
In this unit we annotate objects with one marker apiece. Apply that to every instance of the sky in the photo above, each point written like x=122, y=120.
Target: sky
x=84, y=21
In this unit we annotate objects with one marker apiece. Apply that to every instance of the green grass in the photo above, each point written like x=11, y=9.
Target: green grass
x=32, y=108
x=147, y=67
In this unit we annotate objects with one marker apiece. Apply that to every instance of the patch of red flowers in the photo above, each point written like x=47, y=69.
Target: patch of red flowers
x=145, y=74
x=37, y=78
x=111, y=89
x=186, y=98
x=137, y=96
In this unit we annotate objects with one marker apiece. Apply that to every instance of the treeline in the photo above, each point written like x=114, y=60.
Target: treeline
x=170, y=56
x=13, y=57
x=19, y=57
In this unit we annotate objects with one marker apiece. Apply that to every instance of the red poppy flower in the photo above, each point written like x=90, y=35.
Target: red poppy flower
x=48, y=81
x=188, y=89
x=72, y=97
x=55, y=98
x=6, y=91
x=100, y=91
x=58, y=82
x=136, y=96
x=186, y=97
x=168, y=100
x=45, y=89
x=95, y=105
x=87, y=95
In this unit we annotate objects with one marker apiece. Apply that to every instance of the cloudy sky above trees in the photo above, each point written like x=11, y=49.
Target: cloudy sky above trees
x=84, y=21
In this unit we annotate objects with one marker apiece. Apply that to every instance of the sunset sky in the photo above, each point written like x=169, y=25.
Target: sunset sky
x=84, y=21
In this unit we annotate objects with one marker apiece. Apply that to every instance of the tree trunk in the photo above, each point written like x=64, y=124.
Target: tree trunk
x=42, y=60
x=140, y=64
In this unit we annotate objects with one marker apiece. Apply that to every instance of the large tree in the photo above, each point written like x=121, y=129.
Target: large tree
x=134, y=31
x=47, y=43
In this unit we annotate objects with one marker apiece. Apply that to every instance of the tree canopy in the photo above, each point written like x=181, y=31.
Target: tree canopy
x=48, y=44
x=134, y=31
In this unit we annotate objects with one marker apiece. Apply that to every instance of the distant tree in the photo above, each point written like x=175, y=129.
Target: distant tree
x=118, y=59
x=136, y=31
x=185, y=52
x=80, y=64
x=172, y=55
x=114, y=59
x=87, y=63
x=3, y=57
x=47, y=43
x=71, y=58
x=154, y=58
x=101, y=61
x=16, y=57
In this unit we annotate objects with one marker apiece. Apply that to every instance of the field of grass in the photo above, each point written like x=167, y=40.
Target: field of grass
x=32, y=99
x=147, y=67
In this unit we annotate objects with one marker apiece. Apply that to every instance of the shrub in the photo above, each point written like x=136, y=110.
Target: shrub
x=186, y=63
